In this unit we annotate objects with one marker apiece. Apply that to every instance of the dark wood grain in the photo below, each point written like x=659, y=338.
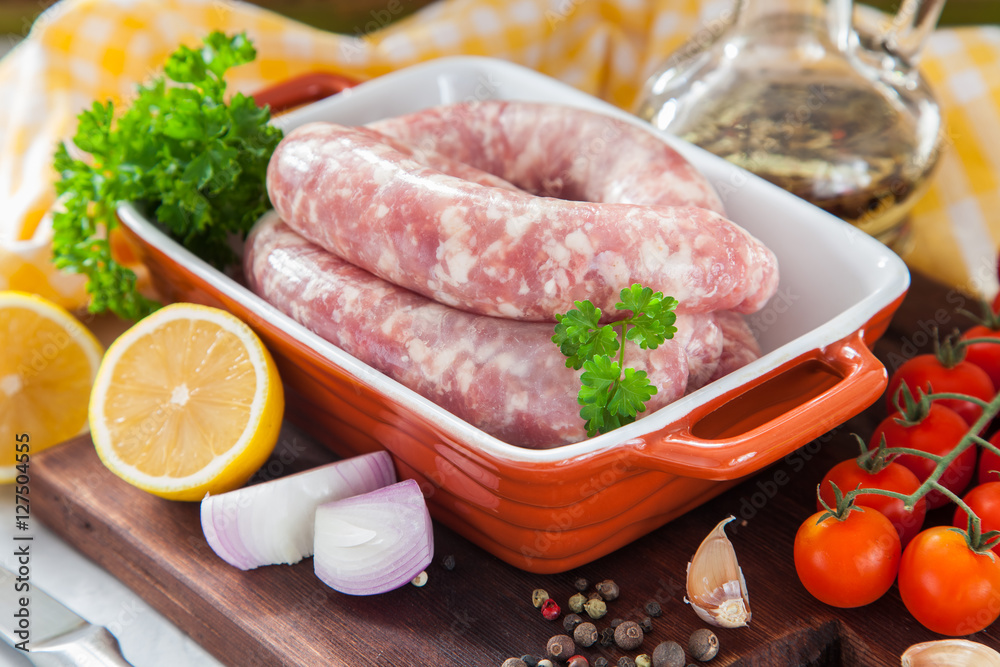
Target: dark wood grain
x=480, y=612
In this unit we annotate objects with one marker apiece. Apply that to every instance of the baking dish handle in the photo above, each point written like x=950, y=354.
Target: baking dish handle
x=302, y=89
x=742, y=431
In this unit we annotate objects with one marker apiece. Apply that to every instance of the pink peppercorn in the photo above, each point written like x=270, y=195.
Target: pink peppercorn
x=550, y=610
x=578, y=661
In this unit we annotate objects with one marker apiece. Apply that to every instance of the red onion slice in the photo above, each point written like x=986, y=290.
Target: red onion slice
x=272, y=522
x=374, y=543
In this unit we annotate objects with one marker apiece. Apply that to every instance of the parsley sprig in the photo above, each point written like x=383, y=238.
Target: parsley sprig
x=196, y=163
x=612, y=395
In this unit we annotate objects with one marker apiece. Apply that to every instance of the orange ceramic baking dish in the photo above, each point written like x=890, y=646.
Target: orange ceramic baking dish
x=552, y=510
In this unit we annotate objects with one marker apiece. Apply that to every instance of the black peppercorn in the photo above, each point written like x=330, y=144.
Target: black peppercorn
x=653, y=609
x=594, y=595
x=608, y=589
x=615, y=622
x=448, y=562
x=530, y=660
x=513, y=662
x=628, y=635
x=600, y=661
x=668, y=654
x=646, y=624
x=703, y=645
x=607, y=637
x=580, y=584
x=560, y=647
x=626, y=661
x=570, y=621
x=585, y=634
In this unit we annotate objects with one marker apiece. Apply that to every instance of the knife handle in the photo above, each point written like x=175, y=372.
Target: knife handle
x=89, y=646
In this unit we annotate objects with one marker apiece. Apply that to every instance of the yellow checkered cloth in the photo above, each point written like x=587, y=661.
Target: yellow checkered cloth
x=82, y=50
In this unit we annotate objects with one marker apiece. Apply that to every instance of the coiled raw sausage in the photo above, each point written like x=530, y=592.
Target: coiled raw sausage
x=498, y=252
x=558, y=151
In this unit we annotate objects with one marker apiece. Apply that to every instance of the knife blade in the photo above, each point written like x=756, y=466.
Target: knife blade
x=53, y=634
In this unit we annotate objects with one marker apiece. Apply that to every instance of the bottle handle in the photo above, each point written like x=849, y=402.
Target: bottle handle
x=906, y=34
x=840, y=23
x=302, y=89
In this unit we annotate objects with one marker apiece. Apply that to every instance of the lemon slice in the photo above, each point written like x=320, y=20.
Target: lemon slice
x=47, y=367
x=186, y=402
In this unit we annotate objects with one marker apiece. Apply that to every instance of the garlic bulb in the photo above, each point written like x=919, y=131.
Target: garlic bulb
x=950, y=653
x=716, y=589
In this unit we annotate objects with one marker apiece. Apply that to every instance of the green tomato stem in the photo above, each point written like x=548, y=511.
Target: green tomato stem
x=974, y=536
x=974, y=341
x=953, y=497
x=914, y=452
x=986, y=444
x=961, y=397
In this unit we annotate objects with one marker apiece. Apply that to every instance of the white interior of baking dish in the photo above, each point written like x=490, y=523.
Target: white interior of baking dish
x=834, y=278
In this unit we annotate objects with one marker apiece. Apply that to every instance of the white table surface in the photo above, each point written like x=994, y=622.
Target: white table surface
x=147, y=638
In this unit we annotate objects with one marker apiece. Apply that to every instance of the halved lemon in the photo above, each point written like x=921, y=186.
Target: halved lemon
x=47, y=367
x=188, y=401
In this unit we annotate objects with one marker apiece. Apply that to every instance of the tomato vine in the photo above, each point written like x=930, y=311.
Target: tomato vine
x=977, y=540
x=953, y=351
x=922, y=456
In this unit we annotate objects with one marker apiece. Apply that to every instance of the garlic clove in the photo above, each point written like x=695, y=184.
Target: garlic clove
x=716, y=588
x=950, y=653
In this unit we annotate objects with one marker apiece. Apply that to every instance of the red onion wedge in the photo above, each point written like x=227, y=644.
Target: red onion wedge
x=374, y=543
x=272, y=522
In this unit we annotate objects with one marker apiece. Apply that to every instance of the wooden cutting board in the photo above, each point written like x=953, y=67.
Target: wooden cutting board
x=480, y=612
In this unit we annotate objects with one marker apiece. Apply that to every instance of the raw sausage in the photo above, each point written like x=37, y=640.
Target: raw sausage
x=558, y=151
x=503, y=376
x=739, y=344
x=428, y=157
x=703, y=352
x=651, y=173
x=498, y=252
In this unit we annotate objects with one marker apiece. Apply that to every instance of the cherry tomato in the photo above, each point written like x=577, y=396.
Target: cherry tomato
x=949, y=588
x=848, y=475
x=925, y=372
x=850, y=562
x=989, y=463
x=937, y=433
x=984, y=500
x=984, y=355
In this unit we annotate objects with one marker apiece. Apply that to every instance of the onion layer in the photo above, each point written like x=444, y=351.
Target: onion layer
x=272, y=522
x=375, y=542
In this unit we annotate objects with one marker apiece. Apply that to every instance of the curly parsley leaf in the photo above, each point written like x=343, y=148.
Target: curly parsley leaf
x=196, y=162
x=653, y=316
x=580, y=336
x=596, y=388
x=610, y=394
